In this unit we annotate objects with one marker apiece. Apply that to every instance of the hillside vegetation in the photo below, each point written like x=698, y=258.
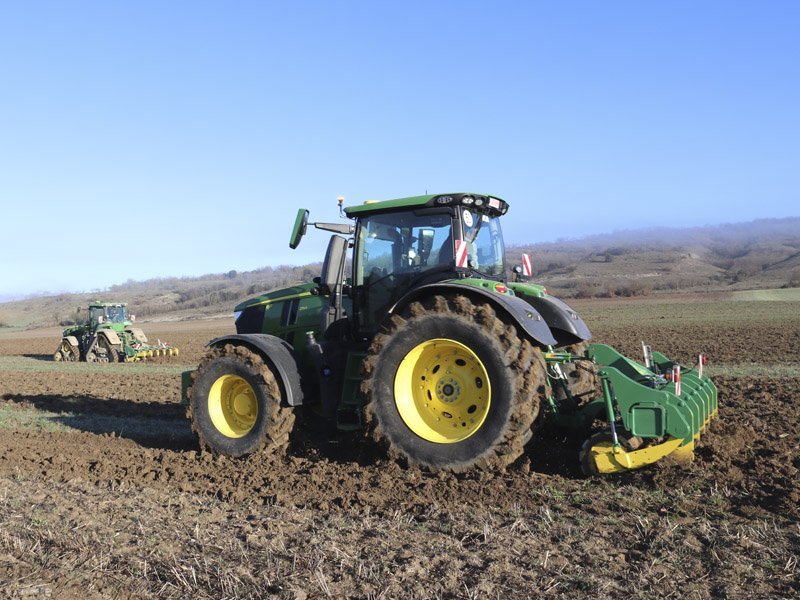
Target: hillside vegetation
x=762, y=254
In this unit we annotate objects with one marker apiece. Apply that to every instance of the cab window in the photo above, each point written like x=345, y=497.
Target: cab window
x=393, y=250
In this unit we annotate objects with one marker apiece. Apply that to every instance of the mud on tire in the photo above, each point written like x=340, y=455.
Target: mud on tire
x=436, y=355
x=235, y=404
x=584, y=383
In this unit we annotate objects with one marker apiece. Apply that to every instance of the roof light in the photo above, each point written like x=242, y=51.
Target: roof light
x=444, y=200
x=478, y=201
x=467, y=200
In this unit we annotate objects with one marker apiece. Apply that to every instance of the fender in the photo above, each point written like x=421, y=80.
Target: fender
x=525, y=315
x=72, y=340
x=111, y=336
x=278, y=354
x=137, y=333
x=561, y=318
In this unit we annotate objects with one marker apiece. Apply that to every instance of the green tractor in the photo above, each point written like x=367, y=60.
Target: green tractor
x=108, y=337
x=420, y=339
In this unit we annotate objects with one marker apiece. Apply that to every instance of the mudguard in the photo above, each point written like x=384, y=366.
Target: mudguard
x=523, y=313
x=111, y=336
x=72, y=340
x=137, y=333
x=278, y=354
x=560, y=317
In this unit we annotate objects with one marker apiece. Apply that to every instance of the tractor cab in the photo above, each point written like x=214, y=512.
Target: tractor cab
x=102, y=312
x=422, y=241
x=399, y=246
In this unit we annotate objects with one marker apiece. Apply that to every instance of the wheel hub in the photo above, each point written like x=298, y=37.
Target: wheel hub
x=448, y=390
x=442, y=391
x=233, y=406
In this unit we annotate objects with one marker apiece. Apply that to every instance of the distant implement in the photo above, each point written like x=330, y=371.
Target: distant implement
x=108, y=337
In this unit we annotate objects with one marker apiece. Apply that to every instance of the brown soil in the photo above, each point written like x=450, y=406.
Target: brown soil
x=91, y=514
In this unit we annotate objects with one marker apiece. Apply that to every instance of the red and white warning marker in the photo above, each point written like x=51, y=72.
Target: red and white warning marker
x=461, y=253
x=526, y=265
x=676, y=378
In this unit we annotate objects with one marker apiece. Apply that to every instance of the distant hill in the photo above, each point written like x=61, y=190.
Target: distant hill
x=761, y=254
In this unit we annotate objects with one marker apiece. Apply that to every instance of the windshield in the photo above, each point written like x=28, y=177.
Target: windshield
x=484, y=243
x=393, y=250
x=116, y=314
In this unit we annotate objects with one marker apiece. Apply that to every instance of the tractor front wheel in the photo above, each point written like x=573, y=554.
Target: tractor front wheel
x=451, y=386
x=235, y=404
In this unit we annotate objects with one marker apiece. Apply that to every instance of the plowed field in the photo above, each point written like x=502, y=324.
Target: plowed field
x=104, y=492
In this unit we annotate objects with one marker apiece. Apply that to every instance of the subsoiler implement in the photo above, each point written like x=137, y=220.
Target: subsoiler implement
x=652, y=411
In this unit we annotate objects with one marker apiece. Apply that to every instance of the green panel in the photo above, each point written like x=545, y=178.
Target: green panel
x=647, y=419
x=283, y=294
x=527, y=289
x=487, y=284
x=679, y=420
x=606, y=355
x=186, y=383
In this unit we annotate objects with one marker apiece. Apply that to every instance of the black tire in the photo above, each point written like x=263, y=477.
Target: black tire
x=243, y=413
x=582, y=379
x=405, y=358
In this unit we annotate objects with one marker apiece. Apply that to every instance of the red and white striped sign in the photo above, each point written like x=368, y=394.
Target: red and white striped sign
x=526, y=265
x=676, y=377
x=461, y=253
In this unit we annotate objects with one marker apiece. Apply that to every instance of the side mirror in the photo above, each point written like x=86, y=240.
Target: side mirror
x=133, y=318
x=300, y=224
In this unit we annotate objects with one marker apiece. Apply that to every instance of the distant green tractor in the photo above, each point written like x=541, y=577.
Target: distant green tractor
x=414, y=333
x=108, y=337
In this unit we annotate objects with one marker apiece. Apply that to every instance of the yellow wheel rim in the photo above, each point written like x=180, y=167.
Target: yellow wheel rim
x=233, y=406
x=442, y=391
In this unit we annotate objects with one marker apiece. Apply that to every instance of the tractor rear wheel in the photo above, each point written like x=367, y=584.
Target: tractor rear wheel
x=235, y=404
x=449, y=385
x=582, y=379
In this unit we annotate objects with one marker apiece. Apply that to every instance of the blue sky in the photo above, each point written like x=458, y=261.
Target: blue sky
x=157, y=139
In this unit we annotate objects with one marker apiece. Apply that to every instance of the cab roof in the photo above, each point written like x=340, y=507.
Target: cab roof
x=479, y=202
